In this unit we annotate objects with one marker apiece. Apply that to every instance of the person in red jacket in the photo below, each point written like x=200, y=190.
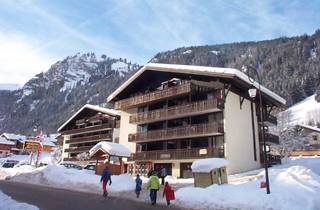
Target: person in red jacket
x=168, y=192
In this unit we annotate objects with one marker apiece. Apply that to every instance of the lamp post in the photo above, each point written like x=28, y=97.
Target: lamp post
x=252, y=94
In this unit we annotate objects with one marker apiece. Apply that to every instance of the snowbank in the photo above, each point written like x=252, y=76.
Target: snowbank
x=7, y=203
x=294, y=186
x=82, y=180
x=45, y=157
x=208, y=164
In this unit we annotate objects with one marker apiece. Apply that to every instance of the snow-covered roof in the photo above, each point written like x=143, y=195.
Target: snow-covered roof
x=312, y=128
x=12, y=136
x=112, y=149
x=208, y=164
x=197, y=70
x=93, y=107
x=47, y=142
x=5, y=141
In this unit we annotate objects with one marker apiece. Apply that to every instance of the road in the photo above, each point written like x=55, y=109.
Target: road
x=46, y=198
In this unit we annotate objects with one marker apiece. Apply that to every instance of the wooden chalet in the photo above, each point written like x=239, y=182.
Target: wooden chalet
x=88, y=126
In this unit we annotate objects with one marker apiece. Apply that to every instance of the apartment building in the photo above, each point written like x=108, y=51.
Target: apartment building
x=172, y=115
x=88, y=126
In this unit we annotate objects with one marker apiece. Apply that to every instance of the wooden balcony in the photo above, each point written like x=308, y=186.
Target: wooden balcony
x=270, y=138
x=88, y=129
x=153, y=96
x=177, y=111
x=268, y=119
x=89, y=138
x=78, y=149
x=178, y=132
x=177, y=154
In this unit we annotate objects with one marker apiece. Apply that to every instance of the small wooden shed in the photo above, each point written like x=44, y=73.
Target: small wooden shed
x=209, y=171
x=106, y=152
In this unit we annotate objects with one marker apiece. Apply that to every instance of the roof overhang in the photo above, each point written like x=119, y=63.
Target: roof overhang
x=228, y=73
x=110, y=112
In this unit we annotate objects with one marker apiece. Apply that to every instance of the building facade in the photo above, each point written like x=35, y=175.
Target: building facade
x=88, y=126
x=172, y=115
x=5, y=146
x=18, y=141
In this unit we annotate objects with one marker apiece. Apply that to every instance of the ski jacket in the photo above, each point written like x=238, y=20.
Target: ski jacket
x=168, y=192
x=154, y=183
x=105, y=176
x=138, y=184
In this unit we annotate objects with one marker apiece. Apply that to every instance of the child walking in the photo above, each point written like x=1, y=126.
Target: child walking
x=105, y=178
x=138, y=185
x=169, y=193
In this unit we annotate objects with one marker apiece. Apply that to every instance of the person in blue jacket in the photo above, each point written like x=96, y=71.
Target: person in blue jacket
x=105, y=178
x=138, y=185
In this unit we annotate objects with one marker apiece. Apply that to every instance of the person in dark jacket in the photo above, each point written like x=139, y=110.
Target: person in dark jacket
x=138, y=185
x=163, y=174
x=105, y=178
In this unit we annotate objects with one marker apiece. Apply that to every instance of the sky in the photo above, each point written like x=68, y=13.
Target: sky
x=34, y=34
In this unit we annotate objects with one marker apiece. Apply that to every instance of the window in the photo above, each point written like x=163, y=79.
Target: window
x=142, y=128
x=185, y=144
x=315, y=138
x=172, y=145
x=199, y=143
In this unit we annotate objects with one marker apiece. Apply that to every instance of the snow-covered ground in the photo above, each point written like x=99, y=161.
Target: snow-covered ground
x=7, y=203
x=294, y=185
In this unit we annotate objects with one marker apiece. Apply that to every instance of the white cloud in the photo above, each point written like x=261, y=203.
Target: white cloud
x=19, y=60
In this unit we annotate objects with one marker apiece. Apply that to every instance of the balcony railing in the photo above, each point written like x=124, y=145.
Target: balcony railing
x=178, y=132
x=78, y=149
x=268, y=118
x=177, y=111
x=177, y=154
x=154, y=96
x=270, y=138
x=87, y=129
x=88, y=138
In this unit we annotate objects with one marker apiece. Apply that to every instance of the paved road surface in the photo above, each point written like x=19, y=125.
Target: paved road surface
x=46, y=198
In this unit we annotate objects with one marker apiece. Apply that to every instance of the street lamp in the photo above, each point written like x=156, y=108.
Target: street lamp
x=252, y=93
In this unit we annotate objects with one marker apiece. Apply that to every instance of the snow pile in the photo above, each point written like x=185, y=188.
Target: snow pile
x=110, y=148
x=7, y=203
x=10, y=172
x=82, y=180
x=208, y=164
x=293, y=187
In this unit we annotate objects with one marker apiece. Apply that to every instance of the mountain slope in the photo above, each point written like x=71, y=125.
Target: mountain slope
x=305, y=112
x=288, y=66
x=49, y=98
